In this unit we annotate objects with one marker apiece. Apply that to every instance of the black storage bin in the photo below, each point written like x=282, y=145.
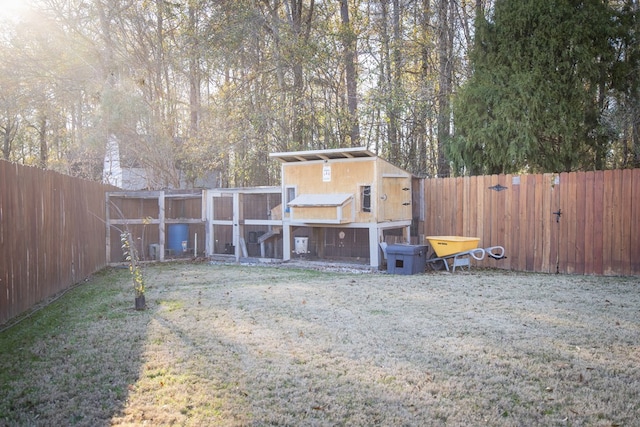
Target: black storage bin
x=406, y=259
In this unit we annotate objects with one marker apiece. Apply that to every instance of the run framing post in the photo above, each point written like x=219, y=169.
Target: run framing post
x=108, y=225
x=286, y=241
x=161, y=225
x=236, y=225
x=374, y=247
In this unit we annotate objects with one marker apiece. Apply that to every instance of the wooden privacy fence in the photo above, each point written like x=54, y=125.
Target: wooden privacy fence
x=52, y=234
x=576, y=223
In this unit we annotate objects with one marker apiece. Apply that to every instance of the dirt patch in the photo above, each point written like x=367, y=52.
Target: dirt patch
x=249, y=345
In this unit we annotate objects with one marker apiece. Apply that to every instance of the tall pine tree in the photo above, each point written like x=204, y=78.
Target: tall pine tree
x=541, y=83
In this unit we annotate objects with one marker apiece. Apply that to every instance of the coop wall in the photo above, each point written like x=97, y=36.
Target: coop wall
x=390, y=188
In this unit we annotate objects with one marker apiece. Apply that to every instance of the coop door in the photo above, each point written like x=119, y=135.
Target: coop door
x=396, y=198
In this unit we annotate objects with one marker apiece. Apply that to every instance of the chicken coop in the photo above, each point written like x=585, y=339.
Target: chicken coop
x=340, y=204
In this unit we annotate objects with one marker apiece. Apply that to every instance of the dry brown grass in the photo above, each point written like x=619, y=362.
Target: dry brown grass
x=245, y=345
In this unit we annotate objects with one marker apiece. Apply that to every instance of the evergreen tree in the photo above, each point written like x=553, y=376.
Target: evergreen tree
x=543, y=78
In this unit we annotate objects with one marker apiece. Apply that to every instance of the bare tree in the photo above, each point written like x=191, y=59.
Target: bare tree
x=446, y=30
x=349, y=42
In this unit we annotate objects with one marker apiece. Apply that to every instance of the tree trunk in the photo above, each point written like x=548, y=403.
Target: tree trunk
x=634, y=126
x=42, y=135
x=635, y=130
x=8, y=133
x=445, y=62
x=274, y=27
x=6, y=145
x=423, y=113
x=387, y=78
x=301, y=38
x=194, y=71
x=349, y=42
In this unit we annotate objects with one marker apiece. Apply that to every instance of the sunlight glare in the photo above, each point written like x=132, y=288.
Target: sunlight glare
x=12, y=9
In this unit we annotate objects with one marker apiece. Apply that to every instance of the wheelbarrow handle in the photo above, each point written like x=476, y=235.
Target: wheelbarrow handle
x=477, y=254
x=496, y=252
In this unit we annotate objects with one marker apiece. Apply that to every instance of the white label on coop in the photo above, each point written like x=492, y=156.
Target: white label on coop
x=326, y=173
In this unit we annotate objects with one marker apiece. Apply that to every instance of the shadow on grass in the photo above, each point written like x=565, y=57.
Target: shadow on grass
x=233, y=345
x=73, y=362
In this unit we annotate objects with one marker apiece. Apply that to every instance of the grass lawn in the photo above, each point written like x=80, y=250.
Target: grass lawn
x=233, y=345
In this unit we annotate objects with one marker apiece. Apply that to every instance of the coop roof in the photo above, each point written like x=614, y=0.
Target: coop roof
x=337, y=199
x=332, y=154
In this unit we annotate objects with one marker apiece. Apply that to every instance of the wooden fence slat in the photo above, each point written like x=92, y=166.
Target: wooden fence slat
x=505, y=239
x=437, y=226
x=480, y=220
x=598, y=222
x=552, y=183
x=614, y=207
x=495, y=216
x=607, y=222
x=469, y=206
x=588, y=222
x=4, y=243
x=551, y=228
x=538, y=227
x=565, y=224
x=460, y=208
x=560, y=229
x=438, y=201
x=429, y=210
x=466, y=207
x=580, y=207
x=514, y=243
x=490, y=205
x=625, y=210
x=634, y=244
x=570, y=221
x=19, y=240
x=522, y=244
x=545, y=224
x=7, y=245
x=473, y=207
x=443, y=199
x=622, y=211
x=458, y=203
x=531, y=224
x=522, y=230
x=489, y=209
x=32, y=253
x=448, y=197
x=502, y=214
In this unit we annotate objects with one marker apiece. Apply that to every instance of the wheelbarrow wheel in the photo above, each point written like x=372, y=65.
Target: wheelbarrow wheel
x=436, y=265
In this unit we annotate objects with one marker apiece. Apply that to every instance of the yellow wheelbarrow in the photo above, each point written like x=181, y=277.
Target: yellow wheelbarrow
x=459, y=250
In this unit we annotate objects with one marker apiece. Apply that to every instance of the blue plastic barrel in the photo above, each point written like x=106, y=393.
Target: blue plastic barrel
x=178, y=233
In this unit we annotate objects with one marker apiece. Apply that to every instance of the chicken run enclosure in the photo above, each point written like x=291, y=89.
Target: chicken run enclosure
x=244, y=223
x=339, y=205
